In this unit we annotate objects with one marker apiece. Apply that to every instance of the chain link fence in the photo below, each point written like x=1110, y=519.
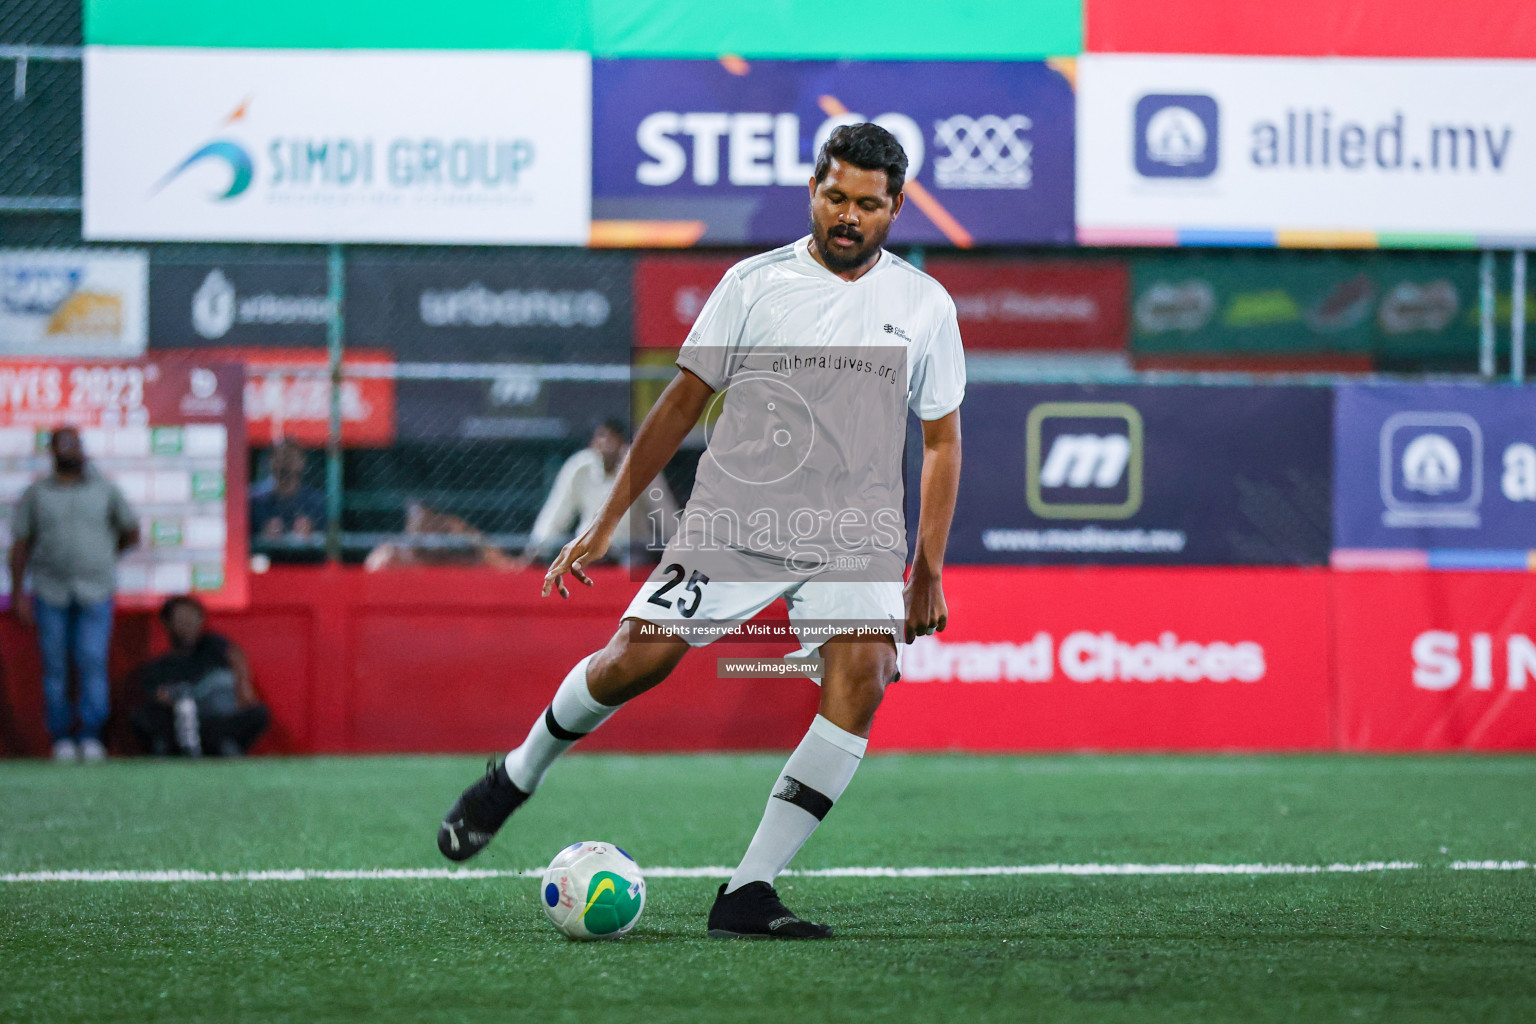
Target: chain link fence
x=418, y=403
x=434, y=496
x=40, y=111
x=464, y=379
x=40, y=131
x=41, y=23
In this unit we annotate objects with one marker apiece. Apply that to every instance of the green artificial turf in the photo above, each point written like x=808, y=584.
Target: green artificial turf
x=1425, y=944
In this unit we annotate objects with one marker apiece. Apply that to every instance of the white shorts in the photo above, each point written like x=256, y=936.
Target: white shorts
x=701, y=612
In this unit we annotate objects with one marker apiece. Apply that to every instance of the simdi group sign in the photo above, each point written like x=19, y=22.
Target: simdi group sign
x=352, y=146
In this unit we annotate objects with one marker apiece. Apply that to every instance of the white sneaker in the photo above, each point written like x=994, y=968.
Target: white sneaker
x=65, y=750
x=91, y=751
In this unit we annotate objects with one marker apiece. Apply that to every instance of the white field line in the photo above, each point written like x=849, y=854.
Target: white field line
x=1492, y=865
x=470, y=874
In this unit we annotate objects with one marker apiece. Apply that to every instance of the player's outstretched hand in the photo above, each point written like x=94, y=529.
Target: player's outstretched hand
x=926, y=611
x=576, y=555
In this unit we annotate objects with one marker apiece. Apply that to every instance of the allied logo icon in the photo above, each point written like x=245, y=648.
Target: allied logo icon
x=1177, y=136
x=1431, y=469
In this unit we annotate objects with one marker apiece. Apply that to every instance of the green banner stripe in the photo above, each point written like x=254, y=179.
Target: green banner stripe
x=342, y=24
x=859, y=29
x=1402, y=241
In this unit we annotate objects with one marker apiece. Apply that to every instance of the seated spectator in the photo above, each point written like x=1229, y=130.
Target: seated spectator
x=578, y=493
x=199, y=697
x=282, y=507
x=435, y=538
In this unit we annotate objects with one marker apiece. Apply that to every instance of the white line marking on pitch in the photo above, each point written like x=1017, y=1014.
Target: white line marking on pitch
x=470, y=874
x=1492, y=865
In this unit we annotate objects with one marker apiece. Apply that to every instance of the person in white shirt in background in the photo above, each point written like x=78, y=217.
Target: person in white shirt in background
x=581, y=487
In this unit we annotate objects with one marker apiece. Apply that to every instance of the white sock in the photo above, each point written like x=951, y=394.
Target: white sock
x=814, y=777
x=572, y=714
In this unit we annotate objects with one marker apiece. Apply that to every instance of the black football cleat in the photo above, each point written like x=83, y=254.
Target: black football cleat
x=755, y=912
x=478, y=813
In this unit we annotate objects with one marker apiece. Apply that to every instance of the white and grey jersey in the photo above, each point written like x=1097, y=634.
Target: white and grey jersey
x=813, y=377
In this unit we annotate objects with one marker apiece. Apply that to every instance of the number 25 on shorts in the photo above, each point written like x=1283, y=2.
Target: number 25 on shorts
x=695, y=586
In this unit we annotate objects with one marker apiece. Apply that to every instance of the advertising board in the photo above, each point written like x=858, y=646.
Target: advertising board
x=187, y=144
x=1004, y=304
x=722, y=152
x=1435, y=660
x=1438, y=476
x=670, y=292
x=913, y=29
x=1152, y=475
x=73, y=303
x=172, y=436
x=1314, y=28
x=239, y=302
x=492, y=307
x=287, y=393
x=474, y=332
x=1305, y=152
x=1056, y=659
x=1034, y=304
x=1384, y=309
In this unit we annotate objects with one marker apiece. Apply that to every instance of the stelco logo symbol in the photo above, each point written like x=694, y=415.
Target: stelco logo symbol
x=984, y=152
x=1083, y=460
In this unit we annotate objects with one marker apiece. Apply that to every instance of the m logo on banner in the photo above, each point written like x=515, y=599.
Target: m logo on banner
x=1083, y=460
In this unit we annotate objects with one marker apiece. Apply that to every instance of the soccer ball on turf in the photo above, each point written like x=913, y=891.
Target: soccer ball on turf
x=592, y=891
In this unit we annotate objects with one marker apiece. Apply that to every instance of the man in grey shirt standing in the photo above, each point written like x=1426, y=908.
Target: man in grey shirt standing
x=69, y=528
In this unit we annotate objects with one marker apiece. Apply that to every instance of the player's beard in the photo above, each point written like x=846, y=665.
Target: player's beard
x=867, y=245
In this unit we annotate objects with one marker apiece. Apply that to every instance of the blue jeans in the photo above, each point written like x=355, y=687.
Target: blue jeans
x=83, y=631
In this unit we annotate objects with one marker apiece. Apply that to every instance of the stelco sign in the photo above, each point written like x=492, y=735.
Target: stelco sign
x=730, y=145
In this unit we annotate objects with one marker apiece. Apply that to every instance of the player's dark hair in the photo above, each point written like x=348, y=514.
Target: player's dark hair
x=617, y=427
x=865, y=145
x=172, y=603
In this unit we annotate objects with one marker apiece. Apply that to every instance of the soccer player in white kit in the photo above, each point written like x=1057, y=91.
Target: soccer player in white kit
x=814, y=352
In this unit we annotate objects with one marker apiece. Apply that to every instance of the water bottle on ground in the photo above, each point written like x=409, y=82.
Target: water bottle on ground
x=187, y=732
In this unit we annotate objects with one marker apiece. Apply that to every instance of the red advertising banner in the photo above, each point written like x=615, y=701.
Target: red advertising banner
x=1125, y=659
x=1315, y=28
x=288, y=394
x=1435, y=660
x=1026, y=305
x=172, y=436
x=669, y=293
x=1007, y=304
